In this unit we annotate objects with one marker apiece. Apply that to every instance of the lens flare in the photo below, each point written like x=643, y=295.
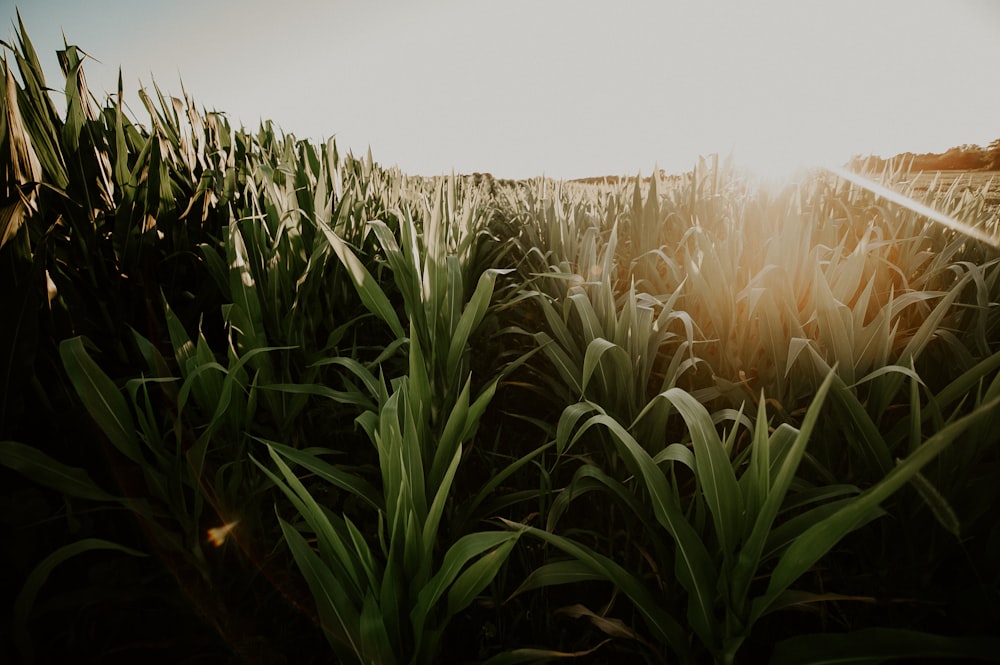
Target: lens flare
x=217, y=536
x=915, y=206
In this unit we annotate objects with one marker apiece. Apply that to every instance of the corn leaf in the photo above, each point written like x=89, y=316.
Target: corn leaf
x=40, y=574
x=816, y=541
x=102, y=399
x=48, y=472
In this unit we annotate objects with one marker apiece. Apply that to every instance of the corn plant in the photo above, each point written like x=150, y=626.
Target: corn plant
x=716, y=559
x=377, y=593
x=381, y=595
x=98, y=215
x=602, y=337
x=766, y=271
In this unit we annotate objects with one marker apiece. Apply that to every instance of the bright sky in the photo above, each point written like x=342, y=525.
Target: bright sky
x=568, y=88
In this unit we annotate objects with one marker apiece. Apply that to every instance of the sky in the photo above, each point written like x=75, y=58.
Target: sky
x=562, y=88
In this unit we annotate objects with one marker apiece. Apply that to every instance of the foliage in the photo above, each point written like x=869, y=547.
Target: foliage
x=686, y=419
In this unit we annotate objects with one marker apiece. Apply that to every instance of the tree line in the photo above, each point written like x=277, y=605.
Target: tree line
x=966, y=157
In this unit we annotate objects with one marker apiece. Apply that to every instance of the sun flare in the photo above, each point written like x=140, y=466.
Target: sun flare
x=217, y=536
x=777, y=164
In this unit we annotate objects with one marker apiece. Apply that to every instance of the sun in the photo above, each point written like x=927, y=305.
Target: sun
x=777, y=164
x=779, y=155
x=781, y=164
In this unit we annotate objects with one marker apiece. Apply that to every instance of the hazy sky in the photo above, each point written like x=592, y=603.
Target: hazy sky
x=568, y=88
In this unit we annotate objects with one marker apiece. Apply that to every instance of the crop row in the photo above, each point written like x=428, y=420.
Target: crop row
x=317, y=408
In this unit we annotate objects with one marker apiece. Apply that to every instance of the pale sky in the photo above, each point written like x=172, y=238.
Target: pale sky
x=565, y=88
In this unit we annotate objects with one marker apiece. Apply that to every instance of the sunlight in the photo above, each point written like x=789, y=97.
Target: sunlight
x=783, y=165
x=777, y=164
x=916, y=206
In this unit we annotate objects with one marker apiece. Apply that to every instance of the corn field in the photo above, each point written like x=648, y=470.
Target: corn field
x=262, y=401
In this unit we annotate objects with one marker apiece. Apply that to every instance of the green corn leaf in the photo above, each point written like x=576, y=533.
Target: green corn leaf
x=340, y=618
x=964, y=384
x=195, y=384
x=915, y=409
x=472, y=507
x=588, y=478
x=216, y=267
x=675, y=452
x=376, y=647
x=556, y=324
x=569, y=371
x=449, y=308
x=757, y=478
x=464, y=550
x=610, y=382
x=477, y=409
x=373, y=385
x=939, y=505
x=47, y=139
x=246, y=315
x=932, y=322
x=477, y=577
x=48, y=472
x=570, y=571
x=123, y=176
x=816, y=541
x=451, y=436
x=429, y=533
x=712, y=467
x=404, y=262
x=660, y=623
x=568, y=420
x=420, y=391
x=584, y=307
x=870, y=444
x=890, y=369
x=334, y=548
x=102, y=399
x=184, y=350
x=367, y=286
x=694, y=565
x=837, y=334
x=373, y=569
x=471, y=317
x=356, y=398
x=357, y=486
x=788, y=531
x=156, y=364
x=750, y=554
x=412, y=454
x=796, y=345
x=395, y=599
x=37, y=577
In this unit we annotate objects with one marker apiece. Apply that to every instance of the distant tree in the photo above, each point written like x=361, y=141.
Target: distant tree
x=965, y=157
x=993, y=156
x=962, y=158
